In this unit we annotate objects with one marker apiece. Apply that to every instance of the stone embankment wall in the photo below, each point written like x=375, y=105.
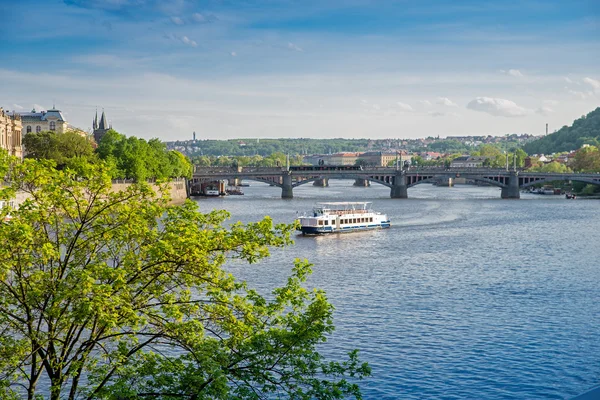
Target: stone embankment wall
x=178, y=189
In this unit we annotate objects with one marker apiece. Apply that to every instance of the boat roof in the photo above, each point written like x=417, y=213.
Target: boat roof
x=344, y=202
x=339, y=203
x=343, y=205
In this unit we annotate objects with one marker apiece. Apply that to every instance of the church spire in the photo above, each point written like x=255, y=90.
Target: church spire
x=95, y=122
x=103, y=124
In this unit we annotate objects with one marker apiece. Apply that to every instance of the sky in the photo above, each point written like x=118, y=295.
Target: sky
x=304, y=68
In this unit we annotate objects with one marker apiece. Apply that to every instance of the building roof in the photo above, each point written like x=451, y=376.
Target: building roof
x=34, y=116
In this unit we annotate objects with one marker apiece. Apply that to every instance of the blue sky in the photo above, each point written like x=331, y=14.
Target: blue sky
x=291, y=68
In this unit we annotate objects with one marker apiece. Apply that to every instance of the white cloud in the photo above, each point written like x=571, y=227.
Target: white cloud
x=404, y=106
x=425, y=103
x=443, y=114
x=233, y=54
x=568, y=80
x=581, y=95
x=189, y=41
x=17, y=107
x=197, y=17
x=376, y=107
x=177, y=21
x=203, y=18
x=294, y=47
x=497, y=107
x=39, y=108
x=544, y=110
x=550, y=102
x=512, y=72
x=593, y=83
x=446, y=102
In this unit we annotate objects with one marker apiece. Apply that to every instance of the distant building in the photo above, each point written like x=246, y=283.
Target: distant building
x=100, y=128
x=468, y=162
x=50, y=120
x=430, y=155
x=10, y=133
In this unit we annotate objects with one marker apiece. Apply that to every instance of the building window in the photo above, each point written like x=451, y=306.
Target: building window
x=52, y=125
x=38, y=129
x=28, y=128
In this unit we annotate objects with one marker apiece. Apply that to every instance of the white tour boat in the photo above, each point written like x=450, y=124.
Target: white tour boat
x=342, y=217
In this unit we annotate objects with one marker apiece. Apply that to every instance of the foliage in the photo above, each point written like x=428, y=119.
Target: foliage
x=587, y=159
x=266, y=147
x=67, y=149
x=585, y=130
x=138, y=159
x=115, y=295
x=273, y=160
x=448, y=146
x=551, y=167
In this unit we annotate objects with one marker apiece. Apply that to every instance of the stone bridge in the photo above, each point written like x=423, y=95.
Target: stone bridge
x=398, y=180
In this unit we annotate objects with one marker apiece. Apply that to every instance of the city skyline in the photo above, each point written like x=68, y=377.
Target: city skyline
x=357, y=69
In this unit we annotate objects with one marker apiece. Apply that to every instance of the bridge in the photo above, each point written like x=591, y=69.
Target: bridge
x=398, y=180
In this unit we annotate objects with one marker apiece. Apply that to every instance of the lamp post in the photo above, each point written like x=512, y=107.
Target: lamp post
x=506, y=147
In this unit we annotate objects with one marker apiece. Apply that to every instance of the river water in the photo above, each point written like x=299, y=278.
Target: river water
x=467, y=296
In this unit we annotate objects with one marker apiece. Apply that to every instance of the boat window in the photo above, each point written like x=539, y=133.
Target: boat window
x=320, y=222
x=326, y=222
x=371, y=219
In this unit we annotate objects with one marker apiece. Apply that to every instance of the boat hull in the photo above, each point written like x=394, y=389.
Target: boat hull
x=324, y=230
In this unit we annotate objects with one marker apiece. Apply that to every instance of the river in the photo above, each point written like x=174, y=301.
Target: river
x=467, y=296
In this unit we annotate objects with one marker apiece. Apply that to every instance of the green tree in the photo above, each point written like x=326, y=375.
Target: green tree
x=552, y=167
x=587, y=159
x=115, y=295
x=138, y=159
x=66, y=149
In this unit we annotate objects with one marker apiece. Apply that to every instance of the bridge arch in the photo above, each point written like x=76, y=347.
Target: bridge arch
x=342, y=176
x=246, y=178
x=434, y=178
x=567, y=178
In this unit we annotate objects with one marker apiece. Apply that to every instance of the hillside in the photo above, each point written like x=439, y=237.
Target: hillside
x=584, y=130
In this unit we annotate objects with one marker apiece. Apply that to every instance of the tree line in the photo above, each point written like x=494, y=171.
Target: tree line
x=585, y=130
x=130, y=157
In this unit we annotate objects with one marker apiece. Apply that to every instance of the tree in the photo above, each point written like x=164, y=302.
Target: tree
x=115, y=295
x=587, y=159
x=66, y=149
x=552, y=167
x=137, y=159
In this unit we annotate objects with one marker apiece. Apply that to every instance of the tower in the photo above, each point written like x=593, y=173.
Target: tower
x=100, y=128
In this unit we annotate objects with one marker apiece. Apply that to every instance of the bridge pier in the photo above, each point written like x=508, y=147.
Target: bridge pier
x=287, y=191
x=324, y=182
x=361, y=182
x=511, y=190
x=399, y=189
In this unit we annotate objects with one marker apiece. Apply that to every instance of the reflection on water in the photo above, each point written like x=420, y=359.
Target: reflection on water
x=466, y=296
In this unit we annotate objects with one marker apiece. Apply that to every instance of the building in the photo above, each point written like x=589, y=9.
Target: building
x=100, y=128
x=10, y=133
x=468, y=162
x=51, y=120
x=383, y=159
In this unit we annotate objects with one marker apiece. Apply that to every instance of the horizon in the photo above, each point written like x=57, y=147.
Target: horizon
x=286, y=70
